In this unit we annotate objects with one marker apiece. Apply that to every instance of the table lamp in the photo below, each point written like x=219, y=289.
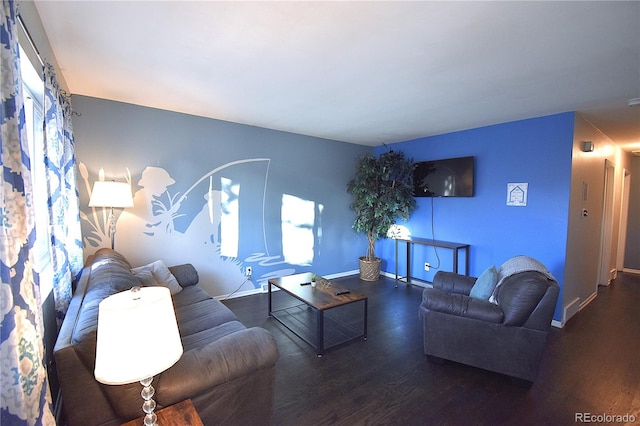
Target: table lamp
x=137, y=338
x=111, y=194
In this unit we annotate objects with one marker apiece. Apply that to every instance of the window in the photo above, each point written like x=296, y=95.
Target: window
x=230, y=216
x=33, y=92
x=298, y=218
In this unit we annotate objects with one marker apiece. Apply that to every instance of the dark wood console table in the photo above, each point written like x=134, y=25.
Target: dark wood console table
x=454, y=247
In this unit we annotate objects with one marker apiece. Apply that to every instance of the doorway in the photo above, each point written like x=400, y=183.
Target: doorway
x=624, y=217
x=605, y=272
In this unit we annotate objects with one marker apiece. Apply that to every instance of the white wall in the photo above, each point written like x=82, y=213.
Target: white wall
x=584, y=233
x=632, y=253
x=29, y=15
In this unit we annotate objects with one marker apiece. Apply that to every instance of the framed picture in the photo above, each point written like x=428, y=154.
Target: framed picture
x=517, y=194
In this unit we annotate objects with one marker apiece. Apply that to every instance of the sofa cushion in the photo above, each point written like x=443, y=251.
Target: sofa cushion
x=190, y=296
x=206, y=336
x=159, y=272
x=461, y=305
x=196, y=312
x=516, y=265
x=145, y=276
x=453, y=283
x=519, y=295
x=109, y=275
x=203, y=322
x=185, y=274
x=484, y=285
x=220, y=361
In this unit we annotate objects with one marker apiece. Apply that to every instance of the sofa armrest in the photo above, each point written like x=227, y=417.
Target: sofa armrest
x=458, y=304
x=453, y=283
x=229, y=358
x=186, y=274
x=81, y=393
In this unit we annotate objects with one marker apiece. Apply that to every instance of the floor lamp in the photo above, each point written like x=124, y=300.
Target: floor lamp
x=138, y=338
x=113, y=195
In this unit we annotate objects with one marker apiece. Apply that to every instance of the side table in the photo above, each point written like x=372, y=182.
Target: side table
x=454, y=247
x=180, y=414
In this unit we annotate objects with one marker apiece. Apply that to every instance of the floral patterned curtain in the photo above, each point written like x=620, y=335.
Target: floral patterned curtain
x=25, y=396
x=62, y=191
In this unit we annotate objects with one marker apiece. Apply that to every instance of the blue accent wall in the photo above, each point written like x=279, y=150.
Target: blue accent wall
x=535, y=151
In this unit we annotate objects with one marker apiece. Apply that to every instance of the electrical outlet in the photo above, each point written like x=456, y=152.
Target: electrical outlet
x=247, y=271
x=427, y=266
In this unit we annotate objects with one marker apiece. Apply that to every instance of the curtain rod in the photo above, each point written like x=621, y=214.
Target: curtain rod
x=24, y=29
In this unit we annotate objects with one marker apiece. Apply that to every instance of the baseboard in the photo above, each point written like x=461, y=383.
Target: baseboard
x=342, y=274
x=239, y=294
x=264, y=287
x=570, y=310
x=631, y=271
x=423, y=284
x=573, y=308
x=588, y=300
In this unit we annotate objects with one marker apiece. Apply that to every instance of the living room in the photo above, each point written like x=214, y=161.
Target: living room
x=282, y=206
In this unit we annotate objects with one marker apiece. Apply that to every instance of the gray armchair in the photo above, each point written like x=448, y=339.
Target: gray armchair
x=506, y=336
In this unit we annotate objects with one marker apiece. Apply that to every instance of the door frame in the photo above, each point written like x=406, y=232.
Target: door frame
x=624, y=218
x=606, y=228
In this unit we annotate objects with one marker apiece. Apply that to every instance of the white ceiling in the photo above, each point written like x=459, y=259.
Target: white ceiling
x=360, y=72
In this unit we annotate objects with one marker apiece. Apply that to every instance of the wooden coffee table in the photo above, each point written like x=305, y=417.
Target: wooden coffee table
x=326, y=295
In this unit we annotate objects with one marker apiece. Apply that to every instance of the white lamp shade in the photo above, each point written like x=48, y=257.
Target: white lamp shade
x=137, y=336
x=111, y=194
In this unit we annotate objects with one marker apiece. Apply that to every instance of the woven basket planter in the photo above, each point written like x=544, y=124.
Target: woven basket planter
x=369, y=269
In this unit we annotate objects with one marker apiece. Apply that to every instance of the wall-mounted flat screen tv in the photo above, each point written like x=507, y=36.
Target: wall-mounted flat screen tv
x=452, y=177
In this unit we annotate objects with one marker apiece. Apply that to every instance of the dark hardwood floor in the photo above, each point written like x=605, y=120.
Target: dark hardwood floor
x=592, y=365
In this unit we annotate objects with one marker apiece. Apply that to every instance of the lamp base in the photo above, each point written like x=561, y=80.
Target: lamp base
x=112, y=228
x=149, y=405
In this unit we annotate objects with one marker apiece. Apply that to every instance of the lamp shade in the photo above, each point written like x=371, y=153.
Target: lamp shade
x=111, y=194
x=137, y=335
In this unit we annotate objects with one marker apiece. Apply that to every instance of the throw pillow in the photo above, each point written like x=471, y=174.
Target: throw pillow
x=484, y=285
x=145, y=276
x=161, y=275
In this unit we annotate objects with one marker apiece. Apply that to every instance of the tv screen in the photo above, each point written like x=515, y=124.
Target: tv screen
x=452, y=177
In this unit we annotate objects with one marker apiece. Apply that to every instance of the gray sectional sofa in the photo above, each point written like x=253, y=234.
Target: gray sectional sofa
x=227, y=370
